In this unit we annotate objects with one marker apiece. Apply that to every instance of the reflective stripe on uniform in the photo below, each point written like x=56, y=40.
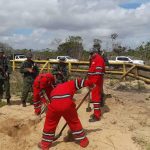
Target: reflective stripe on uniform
x=48, y=134
x=77, y=132
x=96, y=108
x=95, y=103
x=80, y=138
x=47, y=140
x=37, y=106
x=76, y=84
x=99, y=68
x=60, y=96
x=36, y=102
x=95, y=73
x=82, y=83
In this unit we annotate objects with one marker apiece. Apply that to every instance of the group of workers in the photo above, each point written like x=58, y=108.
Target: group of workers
x=56, y=93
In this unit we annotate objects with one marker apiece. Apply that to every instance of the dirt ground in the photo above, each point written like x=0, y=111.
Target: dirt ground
x=125, y=124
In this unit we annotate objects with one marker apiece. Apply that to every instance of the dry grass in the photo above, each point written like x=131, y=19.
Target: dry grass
x=140, y=140
x=2, y=103
x=148, y=146
x=16, y=82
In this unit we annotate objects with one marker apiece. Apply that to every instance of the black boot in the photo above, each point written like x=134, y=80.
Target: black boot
x=93, y=119
x=23, y=104
x=8, y=101
x=102, y=103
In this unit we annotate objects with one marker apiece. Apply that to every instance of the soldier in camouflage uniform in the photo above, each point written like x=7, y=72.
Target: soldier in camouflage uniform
x=60, y=71
x=5, y=70
x=29, y=70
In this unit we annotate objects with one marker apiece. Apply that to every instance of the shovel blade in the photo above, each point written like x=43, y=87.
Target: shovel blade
x=88, y=109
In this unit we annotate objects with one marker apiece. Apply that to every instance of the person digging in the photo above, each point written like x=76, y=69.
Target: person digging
x=62, y=105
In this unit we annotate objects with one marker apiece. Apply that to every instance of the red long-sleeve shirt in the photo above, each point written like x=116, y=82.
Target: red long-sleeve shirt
x=67, y=90
x=97, y=68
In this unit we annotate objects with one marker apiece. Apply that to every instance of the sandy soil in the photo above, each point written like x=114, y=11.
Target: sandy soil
x=125, y=124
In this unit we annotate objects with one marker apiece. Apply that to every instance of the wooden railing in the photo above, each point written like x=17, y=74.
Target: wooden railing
x=141, y=72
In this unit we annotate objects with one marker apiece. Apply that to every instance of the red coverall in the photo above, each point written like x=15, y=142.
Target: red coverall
x=95, y=74
x=62, y=105
x=42, y=82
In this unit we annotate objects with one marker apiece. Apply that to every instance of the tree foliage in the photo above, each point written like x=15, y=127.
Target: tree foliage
x=97, y=44
x=72, y=46
x=118, y=49
x=7, y=48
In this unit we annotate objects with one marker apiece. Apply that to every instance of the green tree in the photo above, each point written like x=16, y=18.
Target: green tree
x=119, y=49
x=72, y=46
x=97, y=44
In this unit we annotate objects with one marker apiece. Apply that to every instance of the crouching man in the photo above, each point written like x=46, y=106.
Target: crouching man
x=43, y=83
x=62, y=105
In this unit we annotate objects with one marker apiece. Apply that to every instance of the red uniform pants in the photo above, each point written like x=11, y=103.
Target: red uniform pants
x=96, y=95
x=61, y=108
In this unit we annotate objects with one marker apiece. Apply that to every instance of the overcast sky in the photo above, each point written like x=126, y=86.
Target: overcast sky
x=36, y=23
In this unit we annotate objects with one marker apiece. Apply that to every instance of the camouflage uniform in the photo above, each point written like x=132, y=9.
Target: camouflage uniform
x=60, y=72
x=5, y=70
x=28, y=77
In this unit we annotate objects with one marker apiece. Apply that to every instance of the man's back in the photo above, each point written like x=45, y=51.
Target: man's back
x=64, y=89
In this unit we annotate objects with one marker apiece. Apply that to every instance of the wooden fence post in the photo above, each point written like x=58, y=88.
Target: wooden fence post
x=69, y=67
x=124, y=71
x=13, y=65
x=48, y=67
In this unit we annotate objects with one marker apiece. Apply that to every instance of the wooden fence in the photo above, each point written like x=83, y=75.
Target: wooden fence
x=140, y=72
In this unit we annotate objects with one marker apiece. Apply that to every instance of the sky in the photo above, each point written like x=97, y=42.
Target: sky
x=35, y=24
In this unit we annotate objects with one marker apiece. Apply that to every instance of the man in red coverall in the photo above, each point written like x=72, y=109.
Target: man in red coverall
x=42, y=82
x=62, y=105
x=95, y=75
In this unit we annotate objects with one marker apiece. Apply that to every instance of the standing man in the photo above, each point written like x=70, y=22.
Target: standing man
x=29, y=71
x=5, y=70
x=95, y=74
x=60, y=71
x=43, y=83
x=62, y=105
x=104, y=56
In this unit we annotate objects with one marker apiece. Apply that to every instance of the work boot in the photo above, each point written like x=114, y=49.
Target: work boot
x=1, y=97
x=43, y=147
x=24, y=104
x=8, y=101
x=84, y=142
x=69, y=137
x=102, y=103
x=93, y=119
x=88, y=109
x=91, y=116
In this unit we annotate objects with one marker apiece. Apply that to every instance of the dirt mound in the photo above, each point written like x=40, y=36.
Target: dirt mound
x=131, y=85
